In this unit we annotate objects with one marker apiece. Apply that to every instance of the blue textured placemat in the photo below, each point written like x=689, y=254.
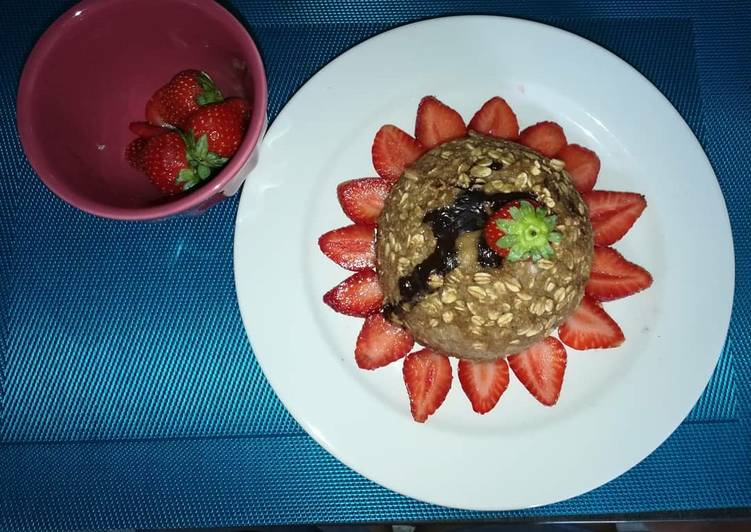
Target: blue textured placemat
x=129, y=396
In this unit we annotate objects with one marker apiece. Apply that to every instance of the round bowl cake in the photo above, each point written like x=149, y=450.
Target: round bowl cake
x=442, y=276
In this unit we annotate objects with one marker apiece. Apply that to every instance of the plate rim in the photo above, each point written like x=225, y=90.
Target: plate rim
x=311, y=430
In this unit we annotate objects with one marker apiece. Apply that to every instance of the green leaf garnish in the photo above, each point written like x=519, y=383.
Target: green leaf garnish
x=187, y=178
x=201, y=160
x=185, y=175
x=209, y=91
x=528, y=233
x=202, y=147
x=203, y=171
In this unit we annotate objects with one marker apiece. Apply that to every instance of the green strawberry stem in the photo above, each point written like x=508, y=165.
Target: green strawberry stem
x=528, y=233
x=201, y=161
x=210, y=92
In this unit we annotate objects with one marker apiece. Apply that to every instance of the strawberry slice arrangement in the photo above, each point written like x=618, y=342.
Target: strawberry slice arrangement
x=521, y=230
x=190, y=133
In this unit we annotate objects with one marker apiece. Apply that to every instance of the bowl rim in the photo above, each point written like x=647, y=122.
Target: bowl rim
x=190, y=201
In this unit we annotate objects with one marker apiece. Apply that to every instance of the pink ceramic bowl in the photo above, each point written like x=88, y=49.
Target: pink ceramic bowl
x=93, y=71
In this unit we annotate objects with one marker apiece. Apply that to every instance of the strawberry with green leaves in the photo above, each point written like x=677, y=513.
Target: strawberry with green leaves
x=163, y=158
x=522, y=230
x=202, y=160
x=173, y=162
x=184, y=94
x=222, y=124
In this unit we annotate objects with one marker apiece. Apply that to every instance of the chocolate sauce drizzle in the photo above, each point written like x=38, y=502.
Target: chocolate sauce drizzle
x=469, y=212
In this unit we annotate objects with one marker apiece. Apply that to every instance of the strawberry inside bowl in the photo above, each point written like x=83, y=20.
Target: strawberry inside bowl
x=93, y=72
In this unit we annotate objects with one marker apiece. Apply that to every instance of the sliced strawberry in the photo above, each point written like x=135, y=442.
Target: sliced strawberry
x=393, y=151
x=427, y=374
x=613, y=277
x=380, y=343
x=483, y=382
x=497, y=119
x=582, y=164
x=362, y=199
x=358, y=295
x=437, y=123
x=544, y=137
x=351, y=247
x=146, y=130
x=540, y=369
x=613, y=213
x=590, y=327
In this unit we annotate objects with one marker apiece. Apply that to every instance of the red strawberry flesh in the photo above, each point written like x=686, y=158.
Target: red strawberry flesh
x=483, y=382
x=427, y=375
x=362, y=199
x=582, y=164
x=437, y=123
x=381, y=343
x=546, y=138
x=351, y=247
x=590, y=327
x=613, y=277
x=540, y=369
x=496, y=119
x=358, y=295
x=393, y=151
x=612, y=213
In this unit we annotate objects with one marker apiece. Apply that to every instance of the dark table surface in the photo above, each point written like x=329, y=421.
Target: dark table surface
x=129, y=394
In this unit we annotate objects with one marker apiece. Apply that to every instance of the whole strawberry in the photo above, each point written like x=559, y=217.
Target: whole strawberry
x=184, y=94
x=174, y=165
x=522, y=230
x=134, y=152
x=224, y=125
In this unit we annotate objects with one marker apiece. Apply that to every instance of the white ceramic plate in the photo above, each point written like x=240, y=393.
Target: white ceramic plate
x=617, y=405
